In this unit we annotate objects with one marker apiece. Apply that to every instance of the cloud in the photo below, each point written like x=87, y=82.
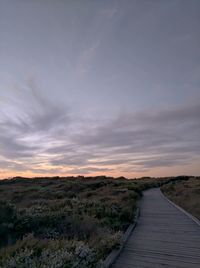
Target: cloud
x=30, y=112
x=163, y=161
x=86, y=57
x=71, y=159
x=169, y=137
x=45, y=115
x=150, y=128
x=89, y=170
x=31, y=124
x=43, y=138
x=96, y=34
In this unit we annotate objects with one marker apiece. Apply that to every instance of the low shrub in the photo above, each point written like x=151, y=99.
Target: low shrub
x=65, y=222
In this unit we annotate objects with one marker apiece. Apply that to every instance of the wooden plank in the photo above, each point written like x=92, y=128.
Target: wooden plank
x=164, y=237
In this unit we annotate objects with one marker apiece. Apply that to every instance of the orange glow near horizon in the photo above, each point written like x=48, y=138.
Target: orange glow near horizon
x=192, y=169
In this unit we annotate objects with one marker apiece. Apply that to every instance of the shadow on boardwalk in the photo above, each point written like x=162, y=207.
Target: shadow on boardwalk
x=164, y=237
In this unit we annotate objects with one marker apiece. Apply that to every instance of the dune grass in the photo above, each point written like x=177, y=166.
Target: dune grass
x=185, y=193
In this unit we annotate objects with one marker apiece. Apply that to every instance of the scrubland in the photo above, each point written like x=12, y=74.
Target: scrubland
x=65, y=222
x=185, y=193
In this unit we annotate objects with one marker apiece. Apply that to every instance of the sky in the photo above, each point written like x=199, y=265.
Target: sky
x=99, y=88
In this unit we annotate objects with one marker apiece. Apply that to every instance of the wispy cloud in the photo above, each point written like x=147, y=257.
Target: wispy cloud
x=28, y=130
x=99, y=27
x=44, y=139
x=167, y=137
x=86, y=58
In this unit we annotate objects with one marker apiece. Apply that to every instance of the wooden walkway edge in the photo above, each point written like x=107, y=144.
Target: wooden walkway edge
x=165, y=236
x=116, y=252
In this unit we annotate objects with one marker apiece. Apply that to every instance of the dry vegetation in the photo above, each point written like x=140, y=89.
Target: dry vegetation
x=185, y=193
x=65, y=222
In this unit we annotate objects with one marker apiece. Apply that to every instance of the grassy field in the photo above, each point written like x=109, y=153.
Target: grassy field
x=65, y=222
x=185, y=193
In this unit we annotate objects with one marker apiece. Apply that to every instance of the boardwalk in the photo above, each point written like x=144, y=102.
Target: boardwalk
x=164, y=237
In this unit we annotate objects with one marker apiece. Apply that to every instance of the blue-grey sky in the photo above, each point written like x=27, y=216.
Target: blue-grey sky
x=99, y=87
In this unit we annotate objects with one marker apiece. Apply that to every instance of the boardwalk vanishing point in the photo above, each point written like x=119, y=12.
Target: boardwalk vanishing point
x=163, y=237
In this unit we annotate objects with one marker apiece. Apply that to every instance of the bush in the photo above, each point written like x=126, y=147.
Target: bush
x=7, y=221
